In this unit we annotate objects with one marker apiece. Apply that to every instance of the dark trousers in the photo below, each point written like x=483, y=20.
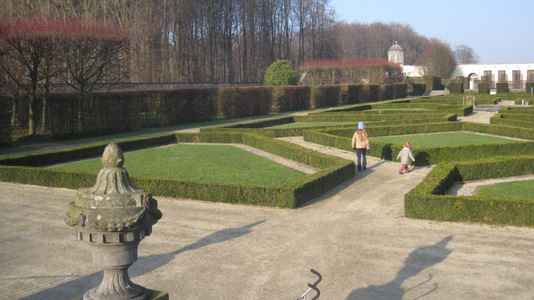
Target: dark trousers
x=361, y=154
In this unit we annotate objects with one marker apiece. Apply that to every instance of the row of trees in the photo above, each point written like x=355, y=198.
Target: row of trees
x=203, y=40
x=37, y=52
x=358, y=41
x=231, y=40
x=84, y=42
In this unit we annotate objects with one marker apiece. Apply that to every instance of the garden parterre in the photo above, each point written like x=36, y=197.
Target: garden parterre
x=388, y=121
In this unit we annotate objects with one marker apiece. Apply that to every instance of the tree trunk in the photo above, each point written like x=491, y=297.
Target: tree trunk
x=31, y=117
x=14, y=111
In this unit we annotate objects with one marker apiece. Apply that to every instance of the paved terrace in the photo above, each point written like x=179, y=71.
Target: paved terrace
x=356, y=236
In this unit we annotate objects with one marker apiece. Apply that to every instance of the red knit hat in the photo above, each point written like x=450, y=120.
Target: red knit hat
x=408, y=145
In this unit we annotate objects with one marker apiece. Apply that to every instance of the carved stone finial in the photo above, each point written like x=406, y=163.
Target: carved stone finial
x=112, y=157
x=113, y=217
x=113, y=179
x=113, y=203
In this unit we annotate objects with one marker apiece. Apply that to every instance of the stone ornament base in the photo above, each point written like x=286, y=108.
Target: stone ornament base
x=150, y=295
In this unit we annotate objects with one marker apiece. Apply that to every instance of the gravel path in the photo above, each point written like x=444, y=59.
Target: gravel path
x=355, y=235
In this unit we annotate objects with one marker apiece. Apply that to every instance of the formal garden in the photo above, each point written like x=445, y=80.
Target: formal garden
x=185, y=165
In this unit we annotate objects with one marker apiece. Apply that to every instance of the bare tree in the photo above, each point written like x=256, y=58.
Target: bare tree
x=30, y=43
x=371, y=41
x=93, y=52
x=204, y=40
x=465, y=55
x=437, y=60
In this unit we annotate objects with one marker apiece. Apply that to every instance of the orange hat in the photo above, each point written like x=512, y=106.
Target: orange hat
x=408, y=145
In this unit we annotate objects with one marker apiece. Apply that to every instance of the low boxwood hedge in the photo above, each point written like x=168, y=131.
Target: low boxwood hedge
x=262, y=127
x=510, y=120
x=356, y=117
x=333, y=171
x=428, y=199
x=341, y=138
x=519, y=117
x=516, y=110
x=459, y=109
x=497, y=129
x=459, y=99
x=59, y=156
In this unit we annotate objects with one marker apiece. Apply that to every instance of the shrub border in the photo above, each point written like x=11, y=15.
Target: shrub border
x=333, y=171
x=341, y=138
x=428, y=200
x=262, y=126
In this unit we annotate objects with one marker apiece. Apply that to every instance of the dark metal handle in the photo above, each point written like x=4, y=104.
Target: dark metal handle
x=314, y=285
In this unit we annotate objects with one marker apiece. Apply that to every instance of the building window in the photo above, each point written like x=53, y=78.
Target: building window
x=502, y=76
x=488, y=78
x=516, y=79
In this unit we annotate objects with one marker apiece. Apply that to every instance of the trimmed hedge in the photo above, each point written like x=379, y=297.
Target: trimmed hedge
x=357, y=93
x=102, y=113
x=428, y=199
x=517, y=110
x=502, y=88
x=520, y=118
x=240, y=102
x=68, y=116
x=325, y=96
x=456, y=88
x=389, y=116
x=461, y=110
x=262, y=127
x=419, y=89
x=40, y=159
x=5, y=120
x=333, y=171
x=291, y=98
x=458, y=99
x=433, y=82
x=341, y=138
x=504, y=130
x=483, y=88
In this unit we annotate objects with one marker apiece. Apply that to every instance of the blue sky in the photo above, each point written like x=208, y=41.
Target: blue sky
x=498, y=31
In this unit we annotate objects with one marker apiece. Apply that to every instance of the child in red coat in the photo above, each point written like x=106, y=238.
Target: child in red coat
x=405, y=155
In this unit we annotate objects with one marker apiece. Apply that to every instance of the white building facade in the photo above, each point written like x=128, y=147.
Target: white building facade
x=516, y=75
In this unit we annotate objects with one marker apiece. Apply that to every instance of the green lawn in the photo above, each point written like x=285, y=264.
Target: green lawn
x=213, y=163
x=313, y=124
x=398, y=109
x=442, y=139
x=515, y=189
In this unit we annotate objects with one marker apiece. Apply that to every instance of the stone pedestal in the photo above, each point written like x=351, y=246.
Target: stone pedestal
x=112, y=218
x=151, y=295
x=114, y=252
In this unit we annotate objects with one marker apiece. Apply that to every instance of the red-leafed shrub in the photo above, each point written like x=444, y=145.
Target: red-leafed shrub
x=378, y=71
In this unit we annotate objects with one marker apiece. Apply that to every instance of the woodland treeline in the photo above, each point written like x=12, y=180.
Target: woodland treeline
x=229, y=41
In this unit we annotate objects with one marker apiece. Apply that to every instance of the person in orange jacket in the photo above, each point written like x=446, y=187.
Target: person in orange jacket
x=360, y=143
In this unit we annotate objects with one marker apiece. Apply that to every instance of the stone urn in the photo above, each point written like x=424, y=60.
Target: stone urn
x=112, y=217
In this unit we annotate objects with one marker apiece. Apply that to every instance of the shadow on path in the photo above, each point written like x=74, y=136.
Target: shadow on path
x=420, y=259
x=146, y=264
x=359, y=175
